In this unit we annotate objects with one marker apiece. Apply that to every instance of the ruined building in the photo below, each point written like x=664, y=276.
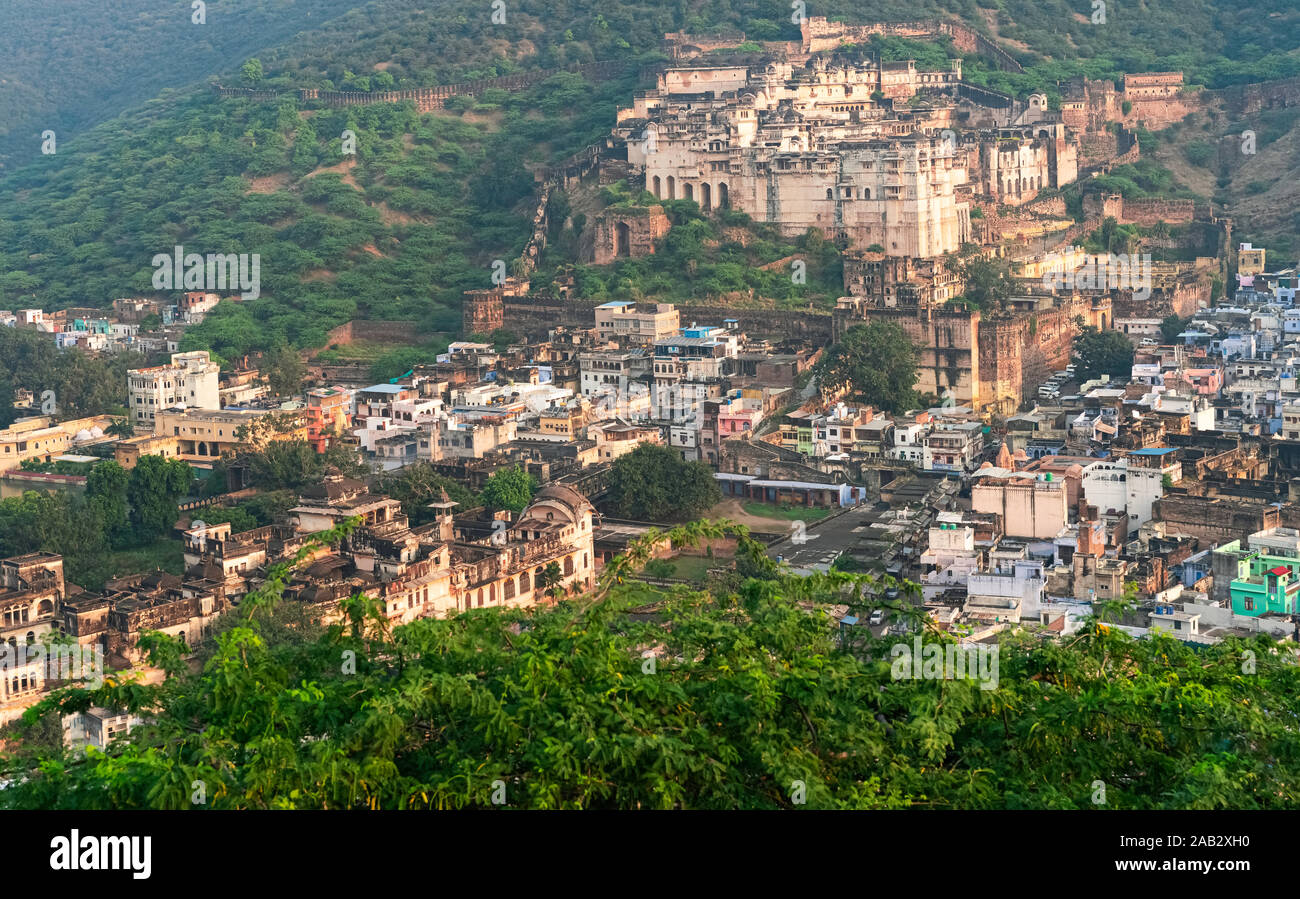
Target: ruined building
x=982, y=360
x=622, y=232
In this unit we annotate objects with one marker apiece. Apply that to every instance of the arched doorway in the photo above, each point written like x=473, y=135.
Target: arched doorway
x=655, y=189
x=688, y=191
x=622, y=239
x=724, y=199
x=706, y=196
x=672, y=188
x=203, y=449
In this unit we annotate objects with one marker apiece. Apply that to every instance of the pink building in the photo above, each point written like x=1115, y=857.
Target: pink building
x=1205, y=381
x=738, y=416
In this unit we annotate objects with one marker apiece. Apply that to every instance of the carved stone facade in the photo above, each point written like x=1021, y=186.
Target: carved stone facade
x=821, y=146
x=1011, y=165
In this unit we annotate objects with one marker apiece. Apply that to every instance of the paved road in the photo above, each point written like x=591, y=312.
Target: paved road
x=823, y=541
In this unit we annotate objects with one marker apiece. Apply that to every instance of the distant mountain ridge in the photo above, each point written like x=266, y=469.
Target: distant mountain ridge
x=68, y=65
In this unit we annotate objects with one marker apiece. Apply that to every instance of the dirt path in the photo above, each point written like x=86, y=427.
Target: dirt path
x=732, y=508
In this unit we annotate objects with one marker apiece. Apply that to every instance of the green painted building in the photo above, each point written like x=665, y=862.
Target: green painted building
x=1265, y=589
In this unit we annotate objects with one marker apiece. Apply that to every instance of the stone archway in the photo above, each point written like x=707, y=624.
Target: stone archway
x=724, y=198
x=706, y=196
x=655, y=189
x=672, y=188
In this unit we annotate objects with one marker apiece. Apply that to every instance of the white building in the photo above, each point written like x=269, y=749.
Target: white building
x=950, y=557
x=96, y=727
x=609, y=373
x=952, y=446
x=1017, y=586
x=192, y=380
x=1131, y=485
x=909, y=441
x=685, y=438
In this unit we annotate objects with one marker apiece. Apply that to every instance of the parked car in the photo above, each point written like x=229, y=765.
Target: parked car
x=877, y=617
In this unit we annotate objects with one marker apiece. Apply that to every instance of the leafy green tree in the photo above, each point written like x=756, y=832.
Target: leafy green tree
x=239, y=518
x=251, y=72
x=1098, y=353
x=752, y=561
x=294, y=464
x=419, y=484
x=82, y=384
x=654, y=483
x=988, y=282
x=548, y=579
x=757, y=698
x=873, y=363
x=660, y=568
x=1113, y=237
x=8, y=414
x=106, y=488
x=154, y=490
x=397, y=362
x=283, y=370
x=56, y=522
x=1171, y=326
x=509, y=488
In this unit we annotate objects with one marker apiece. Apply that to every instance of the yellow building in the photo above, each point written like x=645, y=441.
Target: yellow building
x=41, y=438
x=565, y=421
x=203, y=435
x=1250, y=259
x=128, y=452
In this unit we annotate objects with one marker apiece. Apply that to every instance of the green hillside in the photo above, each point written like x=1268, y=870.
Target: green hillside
x=429, y=202
x=69, y=64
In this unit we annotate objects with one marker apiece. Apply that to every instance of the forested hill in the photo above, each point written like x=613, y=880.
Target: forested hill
x=427, y=203
x=73, y=63
x=426, y=44
x=68, y=64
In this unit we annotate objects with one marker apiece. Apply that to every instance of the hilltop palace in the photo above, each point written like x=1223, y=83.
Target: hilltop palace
x=865, y=151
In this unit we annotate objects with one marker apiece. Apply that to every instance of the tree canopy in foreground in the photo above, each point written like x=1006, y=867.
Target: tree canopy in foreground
x=754, y=699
